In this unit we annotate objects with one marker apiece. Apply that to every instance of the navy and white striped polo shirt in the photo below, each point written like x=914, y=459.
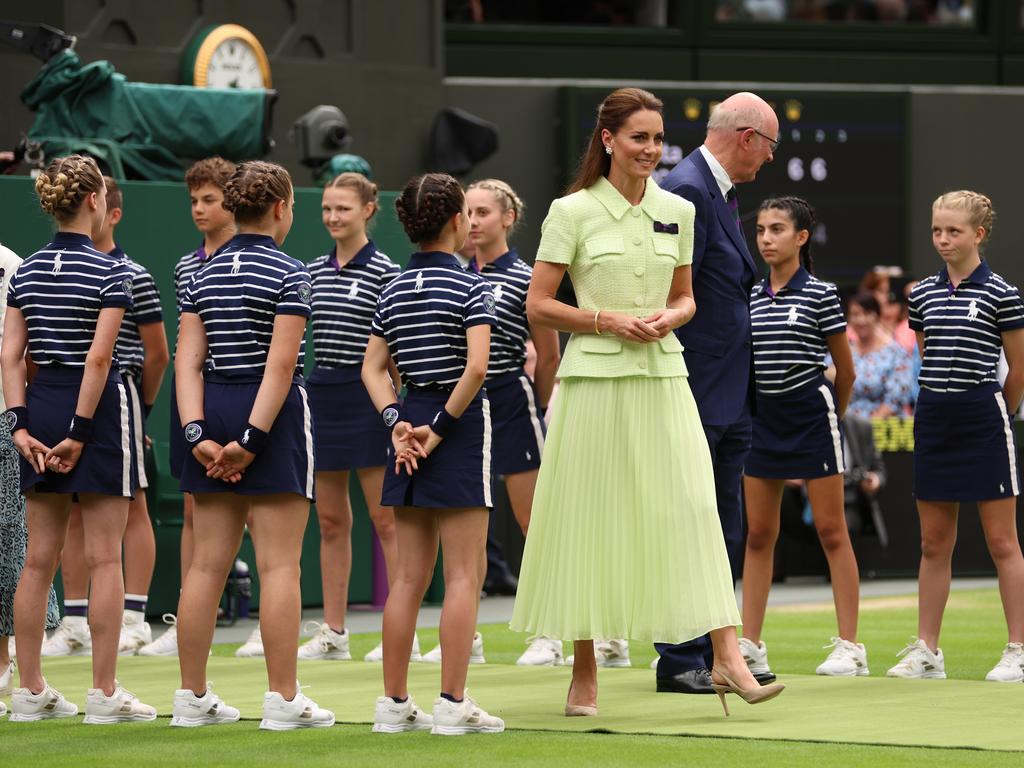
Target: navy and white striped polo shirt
x=237, y=294
x=344, y=300
x=60, y=290
x=185, y=270
x=509, y=277
x=789, y=330
x=144, y=311
x=962, y=327
x=423, y=315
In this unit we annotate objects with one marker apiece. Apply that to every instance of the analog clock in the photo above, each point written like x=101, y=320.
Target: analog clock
x=226, y=56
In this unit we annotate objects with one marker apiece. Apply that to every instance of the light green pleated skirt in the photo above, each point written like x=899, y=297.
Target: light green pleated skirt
x=624, y=538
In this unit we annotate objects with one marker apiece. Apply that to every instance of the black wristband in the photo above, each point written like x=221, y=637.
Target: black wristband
x=146, y=410
x=16, y=418
x=392, y=414
x=195, y=431
x=80, y=429
x=443, y=423
x=253, y=439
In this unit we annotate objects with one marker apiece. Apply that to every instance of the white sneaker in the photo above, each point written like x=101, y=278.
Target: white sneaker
x=3, y=709
x=846, y=660
x=7, y=680
x=377, y=654
x=455, y=719
x=476, y=653
x=167, y=643
x=191, y=711
x=71, y=638
x=120, y=707
x=325, y=644
x=253, y=647
x=391, y=716
x=609, y=653
x=300, y=712
x=919, y=662
x=1010, y=668
x=756, y=656
x=27, y=707
x=542, y=652
x=135, y=633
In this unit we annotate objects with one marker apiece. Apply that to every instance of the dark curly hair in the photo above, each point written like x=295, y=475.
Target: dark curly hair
x=427, y=203
x=254, y=187
x=210, y=170
x=65, y=183
x=801, y=214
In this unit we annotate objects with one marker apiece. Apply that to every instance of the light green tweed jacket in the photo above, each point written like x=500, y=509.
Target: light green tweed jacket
x=619, y=262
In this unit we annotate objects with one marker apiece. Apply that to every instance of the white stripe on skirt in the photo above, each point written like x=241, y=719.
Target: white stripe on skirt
x=126, y=444
x=486, y=409
x=307, y=428
x=531, y=405
x=140, y=433
x=1011, y=453
x=833, y=427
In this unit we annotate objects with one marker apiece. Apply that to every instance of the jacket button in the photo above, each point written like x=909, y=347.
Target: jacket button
x=637, y=241
x=639, y=271
x=642, y=364
x=639, y=301
x=636, y=212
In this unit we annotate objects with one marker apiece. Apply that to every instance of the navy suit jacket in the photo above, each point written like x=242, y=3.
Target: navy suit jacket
x=717, y=339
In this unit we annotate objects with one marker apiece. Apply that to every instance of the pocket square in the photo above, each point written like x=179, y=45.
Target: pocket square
x=668, y=229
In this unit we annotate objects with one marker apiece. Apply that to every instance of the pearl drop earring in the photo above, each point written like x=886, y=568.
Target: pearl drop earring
x=608, y=148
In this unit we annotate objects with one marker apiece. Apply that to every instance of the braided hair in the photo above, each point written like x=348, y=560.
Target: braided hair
x=254, y=187
x=977, y=206
x=65, y=183
x=427, y=203
x=506, y=197
x=801, y=214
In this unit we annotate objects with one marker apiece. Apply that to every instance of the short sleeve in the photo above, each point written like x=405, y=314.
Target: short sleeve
x=480, y=307
x=830, y=313
x=12, y=292
x=188, y=299
x=146, y=298
x=558, y=242
x=1010, y=313
x=377, y=324
x=914, y=317
x=117, y=287
x=391, y=271
x=686, y=234
x=296, y=293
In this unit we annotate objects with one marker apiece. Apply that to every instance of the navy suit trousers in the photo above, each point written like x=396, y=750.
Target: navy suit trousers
x=729, y=446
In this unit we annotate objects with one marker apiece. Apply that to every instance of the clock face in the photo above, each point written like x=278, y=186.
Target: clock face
x=234, y=64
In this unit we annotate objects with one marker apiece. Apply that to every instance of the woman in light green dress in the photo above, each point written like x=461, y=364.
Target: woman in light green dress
x=625, y=539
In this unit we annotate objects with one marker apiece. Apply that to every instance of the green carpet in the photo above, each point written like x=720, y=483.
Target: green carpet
x=935, y=713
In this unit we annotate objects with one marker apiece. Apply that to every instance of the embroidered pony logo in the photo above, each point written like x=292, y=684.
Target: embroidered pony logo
x=497, y=292
x=56, y=263
x=793, y=316
x=972, y=310
x=353, y=290
x=245, y=437
x=236, y=263
x=419, y=282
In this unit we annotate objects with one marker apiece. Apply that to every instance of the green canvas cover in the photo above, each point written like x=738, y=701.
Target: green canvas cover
x=142, y=130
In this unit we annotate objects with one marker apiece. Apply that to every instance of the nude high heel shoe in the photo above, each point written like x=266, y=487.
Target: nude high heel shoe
x=754, y=695
x=578, y=710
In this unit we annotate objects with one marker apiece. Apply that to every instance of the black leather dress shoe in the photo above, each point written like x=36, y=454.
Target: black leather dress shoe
x=764, y=678
x=692, y=681
x=503, y=585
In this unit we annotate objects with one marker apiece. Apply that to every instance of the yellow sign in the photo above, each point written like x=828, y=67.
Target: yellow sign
x=893, y=434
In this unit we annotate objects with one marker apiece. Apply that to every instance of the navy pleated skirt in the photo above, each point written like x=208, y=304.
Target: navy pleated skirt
x=349, y=433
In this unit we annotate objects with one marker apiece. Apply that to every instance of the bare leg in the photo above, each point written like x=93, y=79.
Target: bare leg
x=5, y=652
x=187, y=533
x=583, y=691
x=139, y=547
x=463, y=539
x=999, y=520
x=279, y=523
x=74, y=573
x=104, y=519
x=520, y=488
x=827, y=506
x=334, y=512
x=938, y=536
x=729, y=659
x=763, y=499
x=371, y=480
x=417, y=537
x=47, y=517
x=219, y=523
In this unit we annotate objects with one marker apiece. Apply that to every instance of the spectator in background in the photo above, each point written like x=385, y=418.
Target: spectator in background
x=883, y=385
x=864, y=478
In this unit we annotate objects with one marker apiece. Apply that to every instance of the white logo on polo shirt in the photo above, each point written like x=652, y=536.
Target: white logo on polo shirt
x=419, y=282
x=236, y=263
x=793, y=316
x=56, y=263
x=972, y=310
x=353, y=290
x=497, y=292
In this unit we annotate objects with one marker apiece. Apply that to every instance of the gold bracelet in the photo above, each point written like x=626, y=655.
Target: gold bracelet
x=596, y=329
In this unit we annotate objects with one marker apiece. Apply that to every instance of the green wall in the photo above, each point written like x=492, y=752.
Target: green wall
x=156, y=231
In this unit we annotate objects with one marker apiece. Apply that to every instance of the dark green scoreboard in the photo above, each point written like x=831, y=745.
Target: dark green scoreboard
x=843, y=151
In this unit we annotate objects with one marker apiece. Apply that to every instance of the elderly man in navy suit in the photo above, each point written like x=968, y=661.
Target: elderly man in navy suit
x=742, y=133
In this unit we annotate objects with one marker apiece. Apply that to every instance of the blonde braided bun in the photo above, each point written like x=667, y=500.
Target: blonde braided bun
x=253, y=188
x=506, y=197
x=427, y=203
x=976, y=205
x=65, y=183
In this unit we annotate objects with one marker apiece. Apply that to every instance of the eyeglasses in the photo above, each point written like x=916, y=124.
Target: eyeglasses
x=773, y=142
